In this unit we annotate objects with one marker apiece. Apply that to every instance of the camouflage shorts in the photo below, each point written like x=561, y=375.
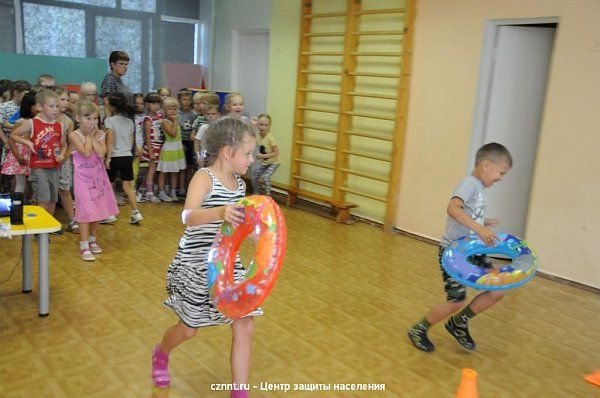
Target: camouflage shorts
x=456, y=291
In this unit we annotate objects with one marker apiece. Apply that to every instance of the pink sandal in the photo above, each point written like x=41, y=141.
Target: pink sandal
x=160, y=368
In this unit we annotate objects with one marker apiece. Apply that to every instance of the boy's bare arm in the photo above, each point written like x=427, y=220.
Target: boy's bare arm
x=22, y=131
x=455, y=210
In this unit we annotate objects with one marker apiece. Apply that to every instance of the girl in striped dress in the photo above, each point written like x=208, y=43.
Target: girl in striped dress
x=172, y=157
x=212, y=194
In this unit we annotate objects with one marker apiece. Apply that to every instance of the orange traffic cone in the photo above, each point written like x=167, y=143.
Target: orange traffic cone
x=594, y=378
x=468, y=384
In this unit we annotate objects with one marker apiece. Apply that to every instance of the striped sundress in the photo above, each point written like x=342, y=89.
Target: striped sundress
x=172, y=157
x=187, y=275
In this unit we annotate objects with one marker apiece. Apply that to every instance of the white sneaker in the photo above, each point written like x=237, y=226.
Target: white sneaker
x=94, y=248
x=120, y=200
x=86, y=255
x=136, y=218
x=164, y=197
x=174, y=198
x=109, y=220
x=141, y=197
x=152, y=198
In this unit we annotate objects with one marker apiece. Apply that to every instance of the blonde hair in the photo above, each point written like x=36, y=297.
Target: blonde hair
x=44, y=76
x=167, y=89
x=88, y=87
x=86, y=108
x=266, y=116
x=228, y=98
x=170, y=102
x=227, y=131
x=44, y=95
x=60, y=90
x=210, y=98
x=210, y=107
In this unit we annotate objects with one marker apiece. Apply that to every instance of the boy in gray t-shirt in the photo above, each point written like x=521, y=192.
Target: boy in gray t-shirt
x=466, y=215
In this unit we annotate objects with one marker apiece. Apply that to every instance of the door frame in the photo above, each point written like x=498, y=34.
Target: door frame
x=482, y=97
x=236, y=36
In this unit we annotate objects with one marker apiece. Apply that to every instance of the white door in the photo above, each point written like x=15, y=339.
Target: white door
x=515, y=102
x=252, y=70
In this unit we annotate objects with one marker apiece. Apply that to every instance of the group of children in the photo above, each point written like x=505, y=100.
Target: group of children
x=160, y=134
x=211, y=199
x=169, y=140
x=163, y=137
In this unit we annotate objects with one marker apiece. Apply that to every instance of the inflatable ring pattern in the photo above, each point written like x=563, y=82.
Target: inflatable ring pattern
x=237, y=299
x=522, y=268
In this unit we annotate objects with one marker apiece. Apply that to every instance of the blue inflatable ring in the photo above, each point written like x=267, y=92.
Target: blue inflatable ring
x=522, y=268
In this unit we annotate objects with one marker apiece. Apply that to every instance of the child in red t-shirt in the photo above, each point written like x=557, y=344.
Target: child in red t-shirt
x=43, y=135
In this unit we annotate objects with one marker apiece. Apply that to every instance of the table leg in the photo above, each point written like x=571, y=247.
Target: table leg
x=43, y=277
x=26, y=247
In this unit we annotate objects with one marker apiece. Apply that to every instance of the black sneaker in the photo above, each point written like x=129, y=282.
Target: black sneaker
x=481, y=260
x=461, y=334
x=418, y=337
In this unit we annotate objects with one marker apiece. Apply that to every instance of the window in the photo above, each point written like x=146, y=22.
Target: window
x=7, y=22
x=99, y=3
x=139, y=5
x=184, y=34
x=95, y=28
x=128, y=40
x=54, y=30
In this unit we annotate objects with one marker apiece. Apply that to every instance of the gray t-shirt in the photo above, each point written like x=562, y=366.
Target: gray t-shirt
x=122, y=129
x=186, y=121
x=472, y=193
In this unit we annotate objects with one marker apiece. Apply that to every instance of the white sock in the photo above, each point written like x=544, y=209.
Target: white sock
x=83, y=245
x=92, y=239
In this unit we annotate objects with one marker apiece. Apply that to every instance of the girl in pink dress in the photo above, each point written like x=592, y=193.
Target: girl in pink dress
x=95, y=199
x=17, y=159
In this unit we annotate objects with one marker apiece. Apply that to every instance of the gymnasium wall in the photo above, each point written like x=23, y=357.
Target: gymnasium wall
x=64, y=69
x=233, y=15
x=285, y=30
x=564, y=214
x=284, y=41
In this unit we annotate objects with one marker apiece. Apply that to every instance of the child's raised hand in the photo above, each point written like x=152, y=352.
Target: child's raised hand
x=487, y=236
x=234, y=214
x=30, y=145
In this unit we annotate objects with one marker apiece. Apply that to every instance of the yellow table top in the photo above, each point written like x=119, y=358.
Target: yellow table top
x=36, y=220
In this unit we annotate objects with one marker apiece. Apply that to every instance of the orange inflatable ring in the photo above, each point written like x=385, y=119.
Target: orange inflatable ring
x=237, y=299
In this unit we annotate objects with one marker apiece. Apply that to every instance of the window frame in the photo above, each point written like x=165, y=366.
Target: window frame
x=147, y=19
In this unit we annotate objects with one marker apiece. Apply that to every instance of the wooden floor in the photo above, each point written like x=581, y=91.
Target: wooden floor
x=339, y=314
